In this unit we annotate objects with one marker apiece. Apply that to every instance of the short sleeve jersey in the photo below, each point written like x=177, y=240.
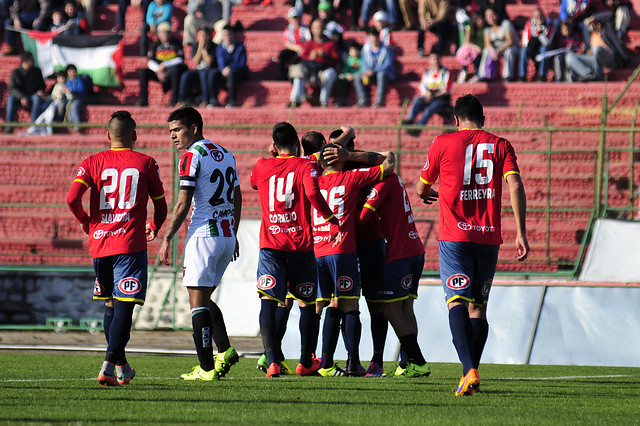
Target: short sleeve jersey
x=471, y=164
x=371, y=229
x=121, y=182
x=210, y=170
x=341, y=189
x=390, y=201
x=286, y=211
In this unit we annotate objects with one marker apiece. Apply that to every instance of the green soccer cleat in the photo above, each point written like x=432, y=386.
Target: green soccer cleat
x=199, y=374
x=225, y=360
x=333, y=371
x=285, y=370
x=398, y=372
x=262, y=364
x=415, y=370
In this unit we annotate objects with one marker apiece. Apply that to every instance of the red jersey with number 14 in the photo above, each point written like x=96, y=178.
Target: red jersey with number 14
x=287, y=187
x=121, y=182
x=471, y=164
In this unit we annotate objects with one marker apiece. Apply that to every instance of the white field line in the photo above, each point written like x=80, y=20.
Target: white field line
x=137, y=379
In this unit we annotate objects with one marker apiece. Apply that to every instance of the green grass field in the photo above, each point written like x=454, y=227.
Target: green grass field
x=61, y=388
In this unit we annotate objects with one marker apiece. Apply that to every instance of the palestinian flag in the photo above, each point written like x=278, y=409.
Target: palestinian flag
x=99, y=57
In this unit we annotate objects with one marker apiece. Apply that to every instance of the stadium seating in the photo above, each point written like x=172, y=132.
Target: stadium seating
x=35, y=172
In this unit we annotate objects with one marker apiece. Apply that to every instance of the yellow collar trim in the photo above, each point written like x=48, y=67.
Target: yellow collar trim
x=120, y=149
x=470, y=129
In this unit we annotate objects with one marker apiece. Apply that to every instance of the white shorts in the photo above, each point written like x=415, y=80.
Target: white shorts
x=206, y=259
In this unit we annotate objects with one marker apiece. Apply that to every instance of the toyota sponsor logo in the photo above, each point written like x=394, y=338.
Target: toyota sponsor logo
x=99, y=233
x=465, y=226
x=414, y=235
x=305, y=289
x=266, y=282
x=317, y=239
x=407, y=282
x=129, y=285
x=274, y=229
x=486, y=287
x=458, y=282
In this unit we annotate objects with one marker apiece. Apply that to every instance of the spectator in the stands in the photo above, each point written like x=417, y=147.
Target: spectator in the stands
x=434, y=96
x=76, y=18
x=500, y=40
x=499, y=7
x=471, y=35
x=58, y=20
x=348, y=74
x=294, y=37
x=319, y=60
x=77, y=94
x=231, y=55
x=159, y=11
x=369, y=7
x=166, y=65
x=203, y=13
x=308, y=6
x=377, y=68
x=120, y=16
x=381, y=24
x=353, y=7
x=568, y=8
x=409, y=9
x=26, y=14
x=620, y=9
x=537, y=38
x=332, y=29
x=58, y=97
x=206, y=66
x=437, y=17
x=565, y=39
x=26, y=90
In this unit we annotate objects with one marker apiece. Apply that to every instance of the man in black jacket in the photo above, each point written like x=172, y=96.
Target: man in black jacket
x=27, y=14
x=26, y=87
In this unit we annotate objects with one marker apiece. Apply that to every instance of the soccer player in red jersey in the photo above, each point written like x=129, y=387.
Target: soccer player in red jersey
x=471, y=164
x=209, y=180
x=403, y=263
x=121, y=181
x=288, y=186
x=338, y=275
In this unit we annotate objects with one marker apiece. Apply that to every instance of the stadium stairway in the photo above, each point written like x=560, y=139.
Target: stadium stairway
x=36, y=227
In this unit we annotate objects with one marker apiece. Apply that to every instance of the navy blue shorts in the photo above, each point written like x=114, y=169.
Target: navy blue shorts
x=467, y=270
x=121, y=277
x=401, y=279
x=338, y=277
x=280, y=272
x=371, y=259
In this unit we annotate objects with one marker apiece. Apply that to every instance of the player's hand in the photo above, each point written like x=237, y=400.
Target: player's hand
x=337, y=238
x=523, y=248
x=236, y=252
x=165, y=250
x=151, y=234
x=432, y=197
x=273, y=151
x=335, y=155
x=85, y=227
x=349, y=131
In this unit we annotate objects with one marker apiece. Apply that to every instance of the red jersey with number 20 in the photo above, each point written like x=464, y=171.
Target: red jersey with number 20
x=287, y=187
x=471, y=164
x=121, y=182
x=390, y=201
x=341, y=189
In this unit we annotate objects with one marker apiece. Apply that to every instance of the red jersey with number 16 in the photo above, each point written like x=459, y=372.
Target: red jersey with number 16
x=287, y=187
x=121, y=182
x=471, y=164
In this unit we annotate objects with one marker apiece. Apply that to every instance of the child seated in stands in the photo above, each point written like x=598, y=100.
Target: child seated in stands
x=350, y=69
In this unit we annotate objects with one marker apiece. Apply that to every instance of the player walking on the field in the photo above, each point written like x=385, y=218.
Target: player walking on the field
x=209, y=178
x=288, y=186
x=471, y=164
x=121, y=181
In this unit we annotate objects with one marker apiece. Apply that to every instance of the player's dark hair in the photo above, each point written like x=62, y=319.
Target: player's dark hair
x=468, y=107
x=312, y=142
x=349, y=145
x=284, y=135
x=188, y=116
x=121, y=125
x=321, y=159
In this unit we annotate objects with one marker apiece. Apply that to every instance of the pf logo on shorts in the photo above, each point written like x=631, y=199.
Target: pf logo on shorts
x=406, y=282
x=97, y=289
x=486, y=287
x=458, y=282
x=266, y=282
x=129, y=285
x=345, y=283
x=305, y=289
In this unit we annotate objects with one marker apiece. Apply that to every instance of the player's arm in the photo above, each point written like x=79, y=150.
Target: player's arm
x=159, y=215
x=178, y=215
x=426, y=192
x=237, y=214
x=74, y=201
x=519, y=205
x=376, y=197
x=389, y=164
